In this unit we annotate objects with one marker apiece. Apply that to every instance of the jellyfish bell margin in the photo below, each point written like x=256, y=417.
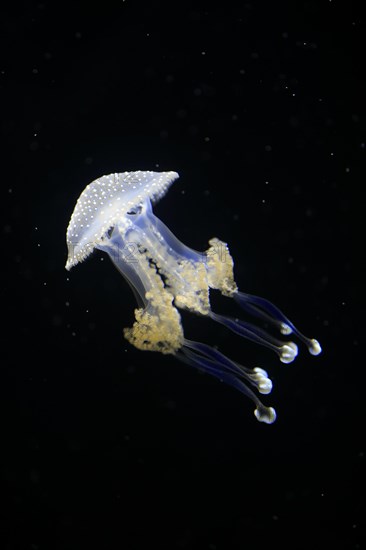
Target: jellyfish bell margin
x=114, y=214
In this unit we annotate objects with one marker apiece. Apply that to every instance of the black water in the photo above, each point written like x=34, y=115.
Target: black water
x=260, y=108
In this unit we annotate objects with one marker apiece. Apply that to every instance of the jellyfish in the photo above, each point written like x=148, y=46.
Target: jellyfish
x=114, y=214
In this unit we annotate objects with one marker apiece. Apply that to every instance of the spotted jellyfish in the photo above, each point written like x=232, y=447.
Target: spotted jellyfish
x=114, y=214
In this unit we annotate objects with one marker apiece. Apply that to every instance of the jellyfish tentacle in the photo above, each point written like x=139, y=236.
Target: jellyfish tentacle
x=260, y=307
x=286, y=351
x=217, y=369
x=257, y=377
x=181, y=268
x=166, y=237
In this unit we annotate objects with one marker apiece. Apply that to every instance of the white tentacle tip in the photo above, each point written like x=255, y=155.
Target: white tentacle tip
x=264, y=384
x=265, y=414
x=288, y=352
x=314, y=347
x=285, y=329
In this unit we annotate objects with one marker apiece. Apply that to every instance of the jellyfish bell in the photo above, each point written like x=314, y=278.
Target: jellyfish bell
x=107, y=202
x=114, y=214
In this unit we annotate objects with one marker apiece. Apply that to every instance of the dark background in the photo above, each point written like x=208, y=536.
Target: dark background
x=260, y=107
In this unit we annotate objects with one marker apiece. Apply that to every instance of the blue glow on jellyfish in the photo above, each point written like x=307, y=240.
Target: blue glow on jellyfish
x=114, y=214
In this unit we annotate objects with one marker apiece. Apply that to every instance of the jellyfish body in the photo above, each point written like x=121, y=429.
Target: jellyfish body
x=114, y=214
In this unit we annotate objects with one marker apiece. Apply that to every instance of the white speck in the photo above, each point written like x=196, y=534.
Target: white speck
x=348, y=170
x=67, y=304
x=203, y=53
x=207, y=138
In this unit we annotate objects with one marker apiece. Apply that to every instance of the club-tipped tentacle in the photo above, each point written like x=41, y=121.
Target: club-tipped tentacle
x=217, y=364
x=286, y=351
x=264, y=309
